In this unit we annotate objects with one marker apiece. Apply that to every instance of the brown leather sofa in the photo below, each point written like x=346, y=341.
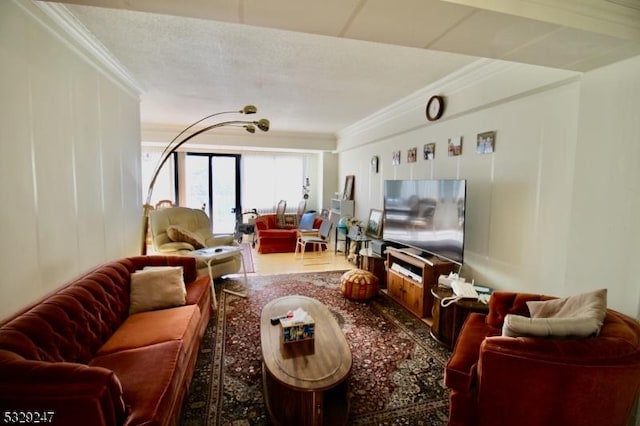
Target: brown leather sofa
x=533, y=381
x=273, y=237
x=79, y=357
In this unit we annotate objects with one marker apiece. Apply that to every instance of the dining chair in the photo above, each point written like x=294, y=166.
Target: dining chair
x=319, y=243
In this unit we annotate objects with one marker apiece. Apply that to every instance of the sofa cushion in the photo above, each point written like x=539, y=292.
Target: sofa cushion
x=287, y=221
x=178, y=233
x=148, y=328
x=151, y=377
x=157, y=288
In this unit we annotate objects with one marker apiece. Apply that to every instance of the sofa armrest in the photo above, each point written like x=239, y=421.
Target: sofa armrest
x=551, y=369
x=461, y=369
x=219, y=240
x=175, y=247
x=68, y=393
x=502, y=303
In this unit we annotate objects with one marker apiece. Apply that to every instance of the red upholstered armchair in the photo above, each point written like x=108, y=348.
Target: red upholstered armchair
x=533, y=381
x=274, y=237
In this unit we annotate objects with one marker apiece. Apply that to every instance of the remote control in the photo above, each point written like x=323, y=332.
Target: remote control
x=276, y=320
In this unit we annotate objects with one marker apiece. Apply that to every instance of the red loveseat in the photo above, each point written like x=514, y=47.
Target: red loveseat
x=534, y=381
x=77, y=357
x=273, y=238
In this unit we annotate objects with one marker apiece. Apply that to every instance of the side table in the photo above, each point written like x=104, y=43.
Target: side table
x=373, y=263
x=210, y=254
x=447, y=322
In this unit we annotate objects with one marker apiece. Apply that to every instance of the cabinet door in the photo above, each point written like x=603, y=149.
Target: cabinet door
x=413, y=298
x=395, y=284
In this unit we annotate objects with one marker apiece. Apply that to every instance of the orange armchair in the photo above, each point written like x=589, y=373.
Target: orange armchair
x=533, y=381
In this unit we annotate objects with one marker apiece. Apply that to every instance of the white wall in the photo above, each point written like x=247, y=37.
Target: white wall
x=69, y=159
x=604, y=238
x=530, y=225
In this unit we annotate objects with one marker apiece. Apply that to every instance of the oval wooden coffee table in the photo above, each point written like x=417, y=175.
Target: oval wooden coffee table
x=304, y=382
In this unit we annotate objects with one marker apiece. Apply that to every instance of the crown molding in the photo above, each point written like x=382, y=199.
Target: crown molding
x=79, y=38
x=466, y=91
x=466, y=76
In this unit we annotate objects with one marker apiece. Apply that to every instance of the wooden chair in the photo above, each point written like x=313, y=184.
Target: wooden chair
x=281, y=207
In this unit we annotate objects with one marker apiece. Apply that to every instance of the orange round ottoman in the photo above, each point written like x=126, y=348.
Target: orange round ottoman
x=358, y=284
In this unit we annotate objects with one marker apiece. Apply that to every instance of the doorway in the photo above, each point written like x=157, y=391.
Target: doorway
x=212, y=183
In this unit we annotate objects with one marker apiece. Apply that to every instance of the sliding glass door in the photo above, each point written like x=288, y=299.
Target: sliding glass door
x=212, y=183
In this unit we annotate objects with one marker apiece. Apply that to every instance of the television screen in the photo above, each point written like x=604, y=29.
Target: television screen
x=427, y=215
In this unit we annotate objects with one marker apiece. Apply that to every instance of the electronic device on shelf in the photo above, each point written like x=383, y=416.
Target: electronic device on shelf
x=406, y=272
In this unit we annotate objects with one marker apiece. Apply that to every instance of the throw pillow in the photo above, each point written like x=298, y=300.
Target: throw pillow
x=157, y=288
x=592, y=304
x=581, y=315
x=288, y=221
x=307, y=220
x=180, y=234
x=517, y=325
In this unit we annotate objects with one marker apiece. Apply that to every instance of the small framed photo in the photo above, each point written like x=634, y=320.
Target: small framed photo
x=374, y=224
x=455, y=146
x=396, y=158
x=411, y=155
x=429, y=151
x=347, y=194
x=486, y=142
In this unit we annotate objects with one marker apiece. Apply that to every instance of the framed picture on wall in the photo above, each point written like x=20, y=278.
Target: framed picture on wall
x=347, y=194
x=429, y=151
x=455, y=146
x=411, y=155
x=374, y=224
x=395, y=160
x=486, y=142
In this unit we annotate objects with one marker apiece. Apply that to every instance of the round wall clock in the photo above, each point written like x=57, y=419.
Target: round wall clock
x=435, y=108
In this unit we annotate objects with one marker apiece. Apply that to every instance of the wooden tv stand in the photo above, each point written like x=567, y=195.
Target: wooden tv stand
x=414, y=292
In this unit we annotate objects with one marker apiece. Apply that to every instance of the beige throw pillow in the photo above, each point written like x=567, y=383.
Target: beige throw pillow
x=592, y=304
x=179, y=234
x=157, y=288
x=516, y=325
x=581, y=315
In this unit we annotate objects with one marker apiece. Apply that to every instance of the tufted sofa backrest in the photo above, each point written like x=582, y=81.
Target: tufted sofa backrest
x=74, y=322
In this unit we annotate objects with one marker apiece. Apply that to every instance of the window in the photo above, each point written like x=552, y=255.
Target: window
x=266, y=179
x=165, y=186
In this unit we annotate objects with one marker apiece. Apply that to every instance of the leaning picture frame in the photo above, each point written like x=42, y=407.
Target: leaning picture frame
x=374, y=224
x=347, y=194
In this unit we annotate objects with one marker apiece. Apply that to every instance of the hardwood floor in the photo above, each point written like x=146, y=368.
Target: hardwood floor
x=284, y=263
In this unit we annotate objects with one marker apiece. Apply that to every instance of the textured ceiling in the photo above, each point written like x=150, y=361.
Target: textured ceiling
x=321, y=66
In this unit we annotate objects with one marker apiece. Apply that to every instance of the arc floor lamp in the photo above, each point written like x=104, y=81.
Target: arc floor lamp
x=248, y=125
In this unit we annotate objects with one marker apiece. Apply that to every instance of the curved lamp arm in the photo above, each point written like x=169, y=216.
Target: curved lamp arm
x=248, y=109
x=262, y=124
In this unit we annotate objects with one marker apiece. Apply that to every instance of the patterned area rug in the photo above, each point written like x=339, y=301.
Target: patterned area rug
x=397, y=372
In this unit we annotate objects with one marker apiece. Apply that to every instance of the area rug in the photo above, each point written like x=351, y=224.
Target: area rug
x=397, y=372
x=247, y=257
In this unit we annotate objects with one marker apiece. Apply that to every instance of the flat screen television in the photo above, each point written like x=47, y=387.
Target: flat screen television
x=427, y=215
